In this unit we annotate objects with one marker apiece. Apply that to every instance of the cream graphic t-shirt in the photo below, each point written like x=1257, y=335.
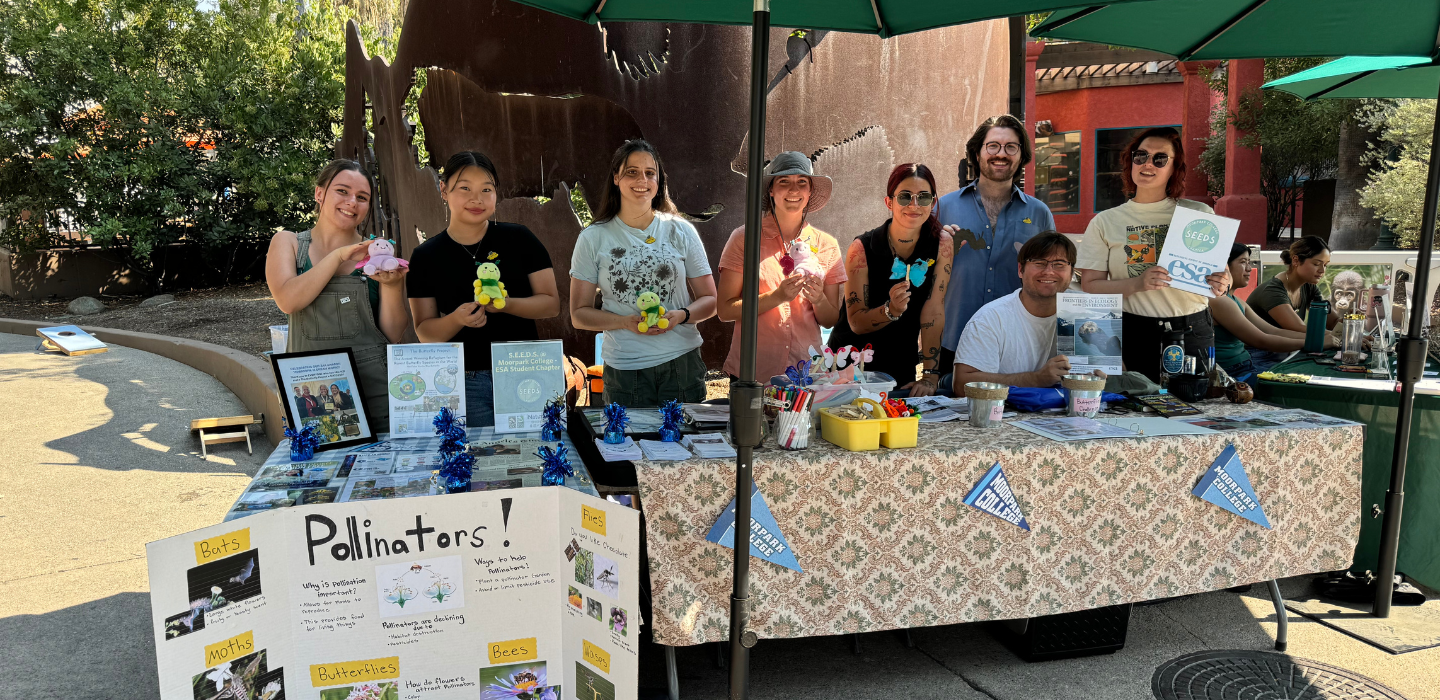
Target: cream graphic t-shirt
x=1126, y=241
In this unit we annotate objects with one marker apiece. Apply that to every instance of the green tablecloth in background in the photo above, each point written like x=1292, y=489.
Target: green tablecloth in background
x=1420, y=526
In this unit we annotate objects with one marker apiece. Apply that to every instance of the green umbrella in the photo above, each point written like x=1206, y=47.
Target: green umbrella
x=1217, y=29
x=1389, y=76
x=883, y=17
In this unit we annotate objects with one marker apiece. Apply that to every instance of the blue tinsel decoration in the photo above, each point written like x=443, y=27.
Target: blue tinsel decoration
x=557, y=464
x=456, y=463
x=615, y=418
x=303, y=443
x=672, y=415
x=554, y=423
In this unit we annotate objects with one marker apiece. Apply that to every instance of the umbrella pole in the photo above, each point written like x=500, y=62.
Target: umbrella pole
x=746, y=411
x=1410, y=364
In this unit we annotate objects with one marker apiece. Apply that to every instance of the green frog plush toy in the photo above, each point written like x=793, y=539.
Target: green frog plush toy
x=651, y=312
x=488, y=286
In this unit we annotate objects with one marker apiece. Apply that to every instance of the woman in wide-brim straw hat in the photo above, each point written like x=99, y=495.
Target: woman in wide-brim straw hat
x=801, y=271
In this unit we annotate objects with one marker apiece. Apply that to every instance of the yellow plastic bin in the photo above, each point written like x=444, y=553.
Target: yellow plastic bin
x=870, y=433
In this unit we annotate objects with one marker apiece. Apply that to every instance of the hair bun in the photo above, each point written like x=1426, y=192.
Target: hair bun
x=1285, y=255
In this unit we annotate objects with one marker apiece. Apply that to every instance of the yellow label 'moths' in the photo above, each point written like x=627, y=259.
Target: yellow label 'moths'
x=222, y=546
x=354, y=671
x=513, y=650
x=229, y=649
x=595, y=656
x=592, y=519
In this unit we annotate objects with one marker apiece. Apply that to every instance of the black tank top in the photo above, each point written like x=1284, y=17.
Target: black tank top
x=897, y=344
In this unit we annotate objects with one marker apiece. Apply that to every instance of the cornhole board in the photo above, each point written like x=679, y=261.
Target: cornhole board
x=218, y=434
x=69, y=340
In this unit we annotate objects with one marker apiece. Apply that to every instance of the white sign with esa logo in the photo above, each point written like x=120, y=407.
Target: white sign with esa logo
x=1196, y=246
x=526, y=374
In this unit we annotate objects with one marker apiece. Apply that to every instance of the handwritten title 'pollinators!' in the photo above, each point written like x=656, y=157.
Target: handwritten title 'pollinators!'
x=360, y=544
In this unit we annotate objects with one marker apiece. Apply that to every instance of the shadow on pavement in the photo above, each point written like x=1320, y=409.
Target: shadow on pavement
x=101, y=650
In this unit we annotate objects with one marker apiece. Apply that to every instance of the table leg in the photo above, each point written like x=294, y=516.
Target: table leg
x=1281, y=634
x=855, y=639
x=909, y=641
x=671, y=674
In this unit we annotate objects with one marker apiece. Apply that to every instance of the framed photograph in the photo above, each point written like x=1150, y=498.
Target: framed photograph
x=320, y=388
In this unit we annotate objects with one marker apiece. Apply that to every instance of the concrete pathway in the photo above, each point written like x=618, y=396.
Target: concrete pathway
x=96, y=459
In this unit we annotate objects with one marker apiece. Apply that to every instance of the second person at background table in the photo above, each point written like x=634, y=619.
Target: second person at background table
x=895, y=291
x=444, y=268
x=1245, y=343
x=1121, y=246
x=794, y=305
x=640, y=255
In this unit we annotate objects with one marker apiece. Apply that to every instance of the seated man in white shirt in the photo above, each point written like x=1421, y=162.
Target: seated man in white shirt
x=1012, y=340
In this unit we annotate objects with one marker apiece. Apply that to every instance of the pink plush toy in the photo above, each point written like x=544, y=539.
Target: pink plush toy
x=381, y=257
x=800, y=257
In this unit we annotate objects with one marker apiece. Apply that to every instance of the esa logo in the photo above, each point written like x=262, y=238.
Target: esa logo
x=1200, y=236
x=1189, y=272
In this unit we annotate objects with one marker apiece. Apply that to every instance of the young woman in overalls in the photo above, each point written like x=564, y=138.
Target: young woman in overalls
x=331, y=305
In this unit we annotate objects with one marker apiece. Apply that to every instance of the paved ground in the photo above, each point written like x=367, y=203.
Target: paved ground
x=96, y=460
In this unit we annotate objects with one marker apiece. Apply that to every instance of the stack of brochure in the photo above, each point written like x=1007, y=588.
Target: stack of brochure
x=660, y=451
x=709, y=446
x=625, y=451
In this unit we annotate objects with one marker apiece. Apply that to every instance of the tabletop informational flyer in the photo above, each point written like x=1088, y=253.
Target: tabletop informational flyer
x=1196, y=246
x=527, y=374
x=1088, y=331
x=424, y=378
x=462, y=597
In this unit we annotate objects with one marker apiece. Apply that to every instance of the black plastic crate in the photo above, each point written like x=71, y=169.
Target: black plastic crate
x=1067, y=635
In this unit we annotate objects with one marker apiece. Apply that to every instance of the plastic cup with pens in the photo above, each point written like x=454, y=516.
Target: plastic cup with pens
x=794, y=426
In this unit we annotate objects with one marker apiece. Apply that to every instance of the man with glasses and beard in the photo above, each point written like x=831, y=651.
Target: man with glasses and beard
x=989, y=219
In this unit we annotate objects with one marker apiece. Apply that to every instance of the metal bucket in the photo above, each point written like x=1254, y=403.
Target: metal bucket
x=1083, y=394
x=987, y=403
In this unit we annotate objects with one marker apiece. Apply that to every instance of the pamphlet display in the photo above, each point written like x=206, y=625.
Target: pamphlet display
x=320, y=391
x=526, y=375
x=464, y=596
x=424, y=378
x=1068, y=428
x=1196, y=246
x=1088, y=332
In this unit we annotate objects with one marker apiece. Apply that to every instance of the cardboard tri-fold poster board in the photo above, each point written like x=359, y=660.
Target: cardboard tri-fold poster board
x=459, y=596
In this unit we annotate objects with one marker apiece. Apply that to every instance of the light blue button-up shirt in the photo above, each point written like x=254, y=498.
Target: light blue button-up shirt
x=982, y=276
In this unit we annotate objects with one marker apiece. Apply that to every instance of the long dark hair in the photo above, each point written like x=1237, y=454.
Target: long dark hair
x=340, y=165
x=905, y=171
x=466, y=159
x=1003, y=121
x=1303, y=249
x=610, y=198
x=1176, y=185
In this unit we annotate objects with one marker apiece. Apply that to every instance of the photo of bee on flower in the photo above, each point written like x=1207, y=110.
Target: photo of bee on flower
x=523, y=681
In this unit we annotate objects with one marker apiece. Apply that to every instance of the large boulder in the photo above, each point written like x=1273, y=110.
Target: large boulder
x=85, y=306
x=158, y=300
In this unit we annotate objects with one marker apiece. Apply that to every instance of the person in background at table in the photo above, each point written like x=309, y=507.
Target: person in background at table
x=331, y=305
x=312, y=405
x=793, y=306
x=1012, y=340
x=1284, y=300
x=638, y=252
x=992, y=212
x=302, y=408
x=1120, y=247
x=1245, y=343
x=444, y=269
x=343, y=402
x=327, y=404
x=895, y=292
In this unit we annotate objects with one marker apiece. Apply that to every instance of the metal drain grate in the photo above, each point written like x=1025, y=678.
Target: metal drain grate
x=1227, y=675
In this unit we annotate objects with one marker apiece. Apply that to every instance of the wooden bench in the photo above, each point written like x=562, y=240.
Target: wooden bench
x=213, y=425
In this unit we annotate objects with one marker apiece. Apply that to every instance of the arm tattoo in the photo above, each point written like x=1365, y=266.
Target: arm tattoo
x=853, y=299
x=865, y=293
x=927, y=325
x=931, y=353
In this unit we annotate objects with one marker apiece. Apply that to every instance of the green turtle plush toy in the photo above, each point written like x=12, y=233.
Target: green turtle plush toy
x=651, y=312
x=488, y=286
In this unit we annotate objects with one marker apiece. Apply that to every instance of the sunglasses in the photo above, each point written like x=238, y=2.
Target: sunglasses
x=994, y=148
x=924, y=199
x=1159, y=160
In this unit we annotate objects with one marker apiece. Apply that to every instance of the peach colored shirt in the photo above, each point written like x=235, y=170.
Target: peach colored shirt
x=787, y=331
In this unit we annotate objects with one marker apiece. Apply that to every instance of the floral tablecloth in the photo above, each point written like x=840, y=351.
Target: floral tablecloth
x=886, y=542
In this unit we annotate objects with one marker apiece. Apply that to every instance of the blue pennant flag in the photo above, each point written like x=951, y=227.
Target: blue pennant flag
x=766, y=541
x=1226, y=485
x=992, y=495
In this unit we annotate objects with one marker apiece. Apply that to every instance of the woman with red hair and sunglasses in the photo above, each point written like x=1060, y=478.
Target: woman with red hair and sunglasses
x=1120, y=247
x=895, y=291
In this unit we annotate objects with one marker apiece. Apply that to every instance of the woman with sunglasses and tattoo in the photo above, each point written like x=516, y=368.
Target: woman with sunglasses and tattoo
x=895, y=292
x=1120, y=247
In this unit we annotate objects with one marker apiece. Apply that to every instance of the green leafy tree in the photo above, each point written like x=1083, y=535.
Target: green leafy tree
x=1297, y=140
x=1396, y=192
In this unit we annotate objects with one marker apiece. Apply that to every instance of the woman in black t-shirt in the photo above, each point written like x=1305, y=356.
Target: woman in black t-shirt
x=443, y=271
